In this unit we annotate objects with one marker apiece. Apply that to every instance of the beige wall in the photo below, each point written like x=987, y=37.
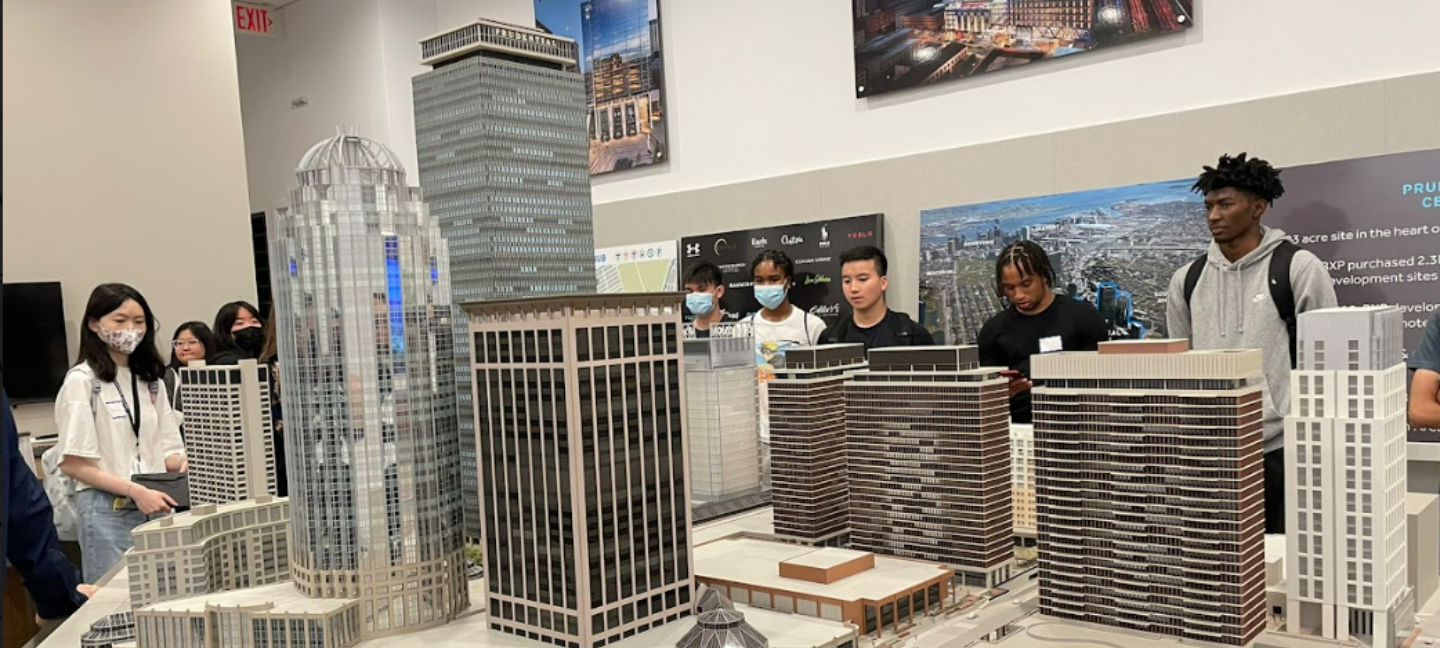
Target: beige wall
x=123, y=154
x=1367, y=119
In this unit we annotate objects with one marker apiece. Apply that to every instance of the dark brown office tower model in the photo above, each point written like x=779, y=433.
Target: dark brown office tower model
x=929, y=460
x=810, y=491
x=580, y=425
x=1151, y=496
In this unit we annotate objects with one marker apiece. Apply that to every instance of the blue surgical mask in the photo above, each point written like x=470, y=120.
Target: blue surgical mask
x=701, y=304
x=770, y=296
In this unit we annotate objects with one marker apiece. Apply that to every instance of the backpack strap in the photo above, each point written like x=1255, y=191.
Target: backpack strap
x=1192, y=277
x=1282, y=293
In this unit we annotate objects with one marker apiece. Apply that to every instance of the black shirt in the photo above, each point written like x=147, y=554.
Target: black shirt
x=1010, y=337
x=884, y=334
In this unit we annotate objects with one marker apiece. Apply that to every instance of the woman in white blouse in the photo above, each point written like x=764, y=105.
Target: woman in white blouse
x=115, y=421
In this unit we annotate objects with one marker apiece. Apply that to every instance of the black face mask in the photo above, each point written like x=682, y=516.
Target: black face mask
x=250, y=340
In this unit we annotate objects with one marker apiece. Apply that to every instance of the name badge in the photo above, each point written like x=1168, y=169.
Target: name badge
x=1051, y=344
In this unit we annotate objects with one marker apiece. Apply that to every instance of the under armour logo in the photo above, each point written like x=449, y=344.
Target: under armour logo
x=692, y=249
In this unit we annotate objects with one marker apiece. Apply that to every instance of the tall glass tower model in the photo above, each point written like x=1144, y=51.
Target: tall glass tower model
x=362, y=316
x=504, y=160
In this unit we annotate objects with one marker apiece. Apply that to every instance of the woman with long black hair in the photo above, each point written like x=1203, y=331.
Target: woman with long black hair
x=115, y=421
x=239, y=333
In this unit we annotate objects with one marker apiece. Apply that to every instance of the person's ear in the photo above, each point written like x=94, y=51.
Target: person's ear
x=93, y=325
x=884, y=284
x=719, y=292
x=1260, y=207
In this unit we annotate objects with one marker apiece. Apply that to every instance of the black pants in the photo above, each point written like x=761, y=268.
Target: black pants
x=1275, y=491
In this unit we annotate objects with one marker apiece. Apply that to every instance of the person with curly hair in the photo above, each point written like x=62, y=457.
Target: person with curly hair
x=1246, y=292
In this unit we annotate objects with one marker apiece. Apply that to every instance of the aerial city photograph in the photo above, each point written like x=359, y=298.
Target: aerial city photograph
x=1113, y=248
x=908, y=43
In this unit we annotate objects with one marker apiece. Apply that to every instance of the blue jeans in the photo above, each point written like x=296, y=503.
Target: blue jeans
x=104, y=531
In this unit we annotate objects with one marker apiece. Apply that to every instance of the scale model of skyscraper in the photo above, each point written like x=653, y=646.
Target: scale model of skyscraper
x=929, y=460
x=579, y=404
x=362, y=317
x=1345, y=450
x=504, y=159
x=1151, y=489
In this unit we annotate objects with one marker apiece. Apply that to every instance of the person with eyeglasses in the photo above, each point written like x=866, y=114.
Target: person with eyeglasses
x=192, y=341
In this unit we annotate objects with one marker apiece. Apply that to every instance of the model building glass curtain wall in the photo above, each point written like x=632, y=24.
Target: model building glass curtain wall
x=620, y=56
x=362, y=300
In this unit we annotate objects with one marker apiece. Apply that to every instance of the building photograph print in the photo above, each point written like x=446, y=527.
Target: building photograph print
x=620, y=57
x=903, y=44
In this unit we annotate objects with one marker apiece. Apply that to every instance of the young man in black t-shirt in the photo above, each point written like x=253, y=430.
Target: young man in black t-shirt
x=1037, y=321
x=871, y=322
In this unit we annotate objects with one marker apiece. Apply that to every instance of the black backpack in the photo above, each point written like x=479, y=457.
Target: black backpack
x=1281, y=292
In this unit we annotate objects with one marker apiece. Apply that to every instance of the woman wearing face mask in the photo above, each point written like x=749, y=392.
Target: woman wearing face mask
x=192, y=341
x=114, y=421
x=239, y=334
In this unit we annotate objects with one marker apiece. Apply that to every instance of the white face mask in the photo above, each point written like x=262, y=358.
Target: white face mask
x=123, y=340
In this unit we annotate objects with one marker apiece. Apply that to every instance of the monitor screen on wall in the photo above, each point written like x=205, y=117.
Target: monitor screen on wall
x=35, y=355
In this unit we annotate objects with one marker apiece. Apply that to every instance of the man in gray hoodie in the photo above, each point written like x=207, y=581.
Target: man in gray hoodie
x=1231, y=305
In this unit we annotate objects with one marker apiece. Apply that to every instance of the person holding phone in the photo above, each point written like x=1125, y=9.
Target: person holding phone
x=1036, y=321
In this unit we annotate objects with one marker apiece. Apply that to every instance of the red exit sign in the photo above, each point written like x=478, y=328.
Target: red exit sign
x=255, y=20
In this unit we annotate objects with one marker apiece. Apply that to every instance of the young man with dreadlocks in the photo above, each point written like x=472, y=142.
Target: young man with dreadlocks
x=1246, y=292
x=1036, y=321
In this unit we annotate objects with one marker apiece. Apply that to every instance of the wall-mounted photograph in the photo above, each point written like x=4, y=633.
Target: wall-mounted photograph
x=903, y=44
x=620, y=57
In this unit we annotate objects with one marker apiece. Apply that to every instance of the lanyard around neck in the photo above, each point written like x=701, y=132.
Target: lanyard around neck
x=133, y=418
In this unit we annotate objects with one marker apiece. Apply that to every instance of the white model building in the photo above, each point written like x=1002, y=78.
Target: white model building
x=721, y=399
x=210, y=549
x=1345, y=454
x=1022, y=477
x=229, y=437
x=1149, y=485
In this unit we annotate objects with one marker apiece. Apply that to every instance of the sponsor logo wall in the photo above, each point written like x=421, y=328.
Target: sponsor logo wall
x=1374, y=221
x=814, y=247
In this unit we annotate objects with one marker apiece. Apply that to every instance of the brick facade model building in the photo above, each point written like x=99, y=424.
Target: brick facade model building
x=1151, y=489
x=504, y=160
x=807, y=442
x=584, y=470
x=1345, y=448
x=929, y=460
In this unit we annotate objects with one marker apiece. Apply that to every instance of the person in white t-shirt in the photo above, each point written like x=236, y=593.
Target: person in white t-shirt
x=115, y=421
x=780, y=325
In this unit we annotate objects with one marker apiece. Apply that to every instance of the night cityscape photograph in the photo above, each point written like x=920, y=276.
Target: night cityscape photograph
x=1116, y=249
x=908, y=43
x=620, y=57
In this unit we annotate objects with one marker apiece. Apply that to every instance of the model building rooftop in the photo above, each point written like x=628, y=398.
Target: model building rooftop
x=580, y=305
x=281, y=598
x=759, y=563
x=823, y=356
x=1144, y=346
x=925, y=358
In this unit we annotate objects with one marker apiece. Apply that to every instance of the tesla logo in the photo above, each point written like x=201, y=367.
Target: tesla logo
x=722, y=246
x=692, y=250
x=861, y=235
x=791, y=240
x=824, y=236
